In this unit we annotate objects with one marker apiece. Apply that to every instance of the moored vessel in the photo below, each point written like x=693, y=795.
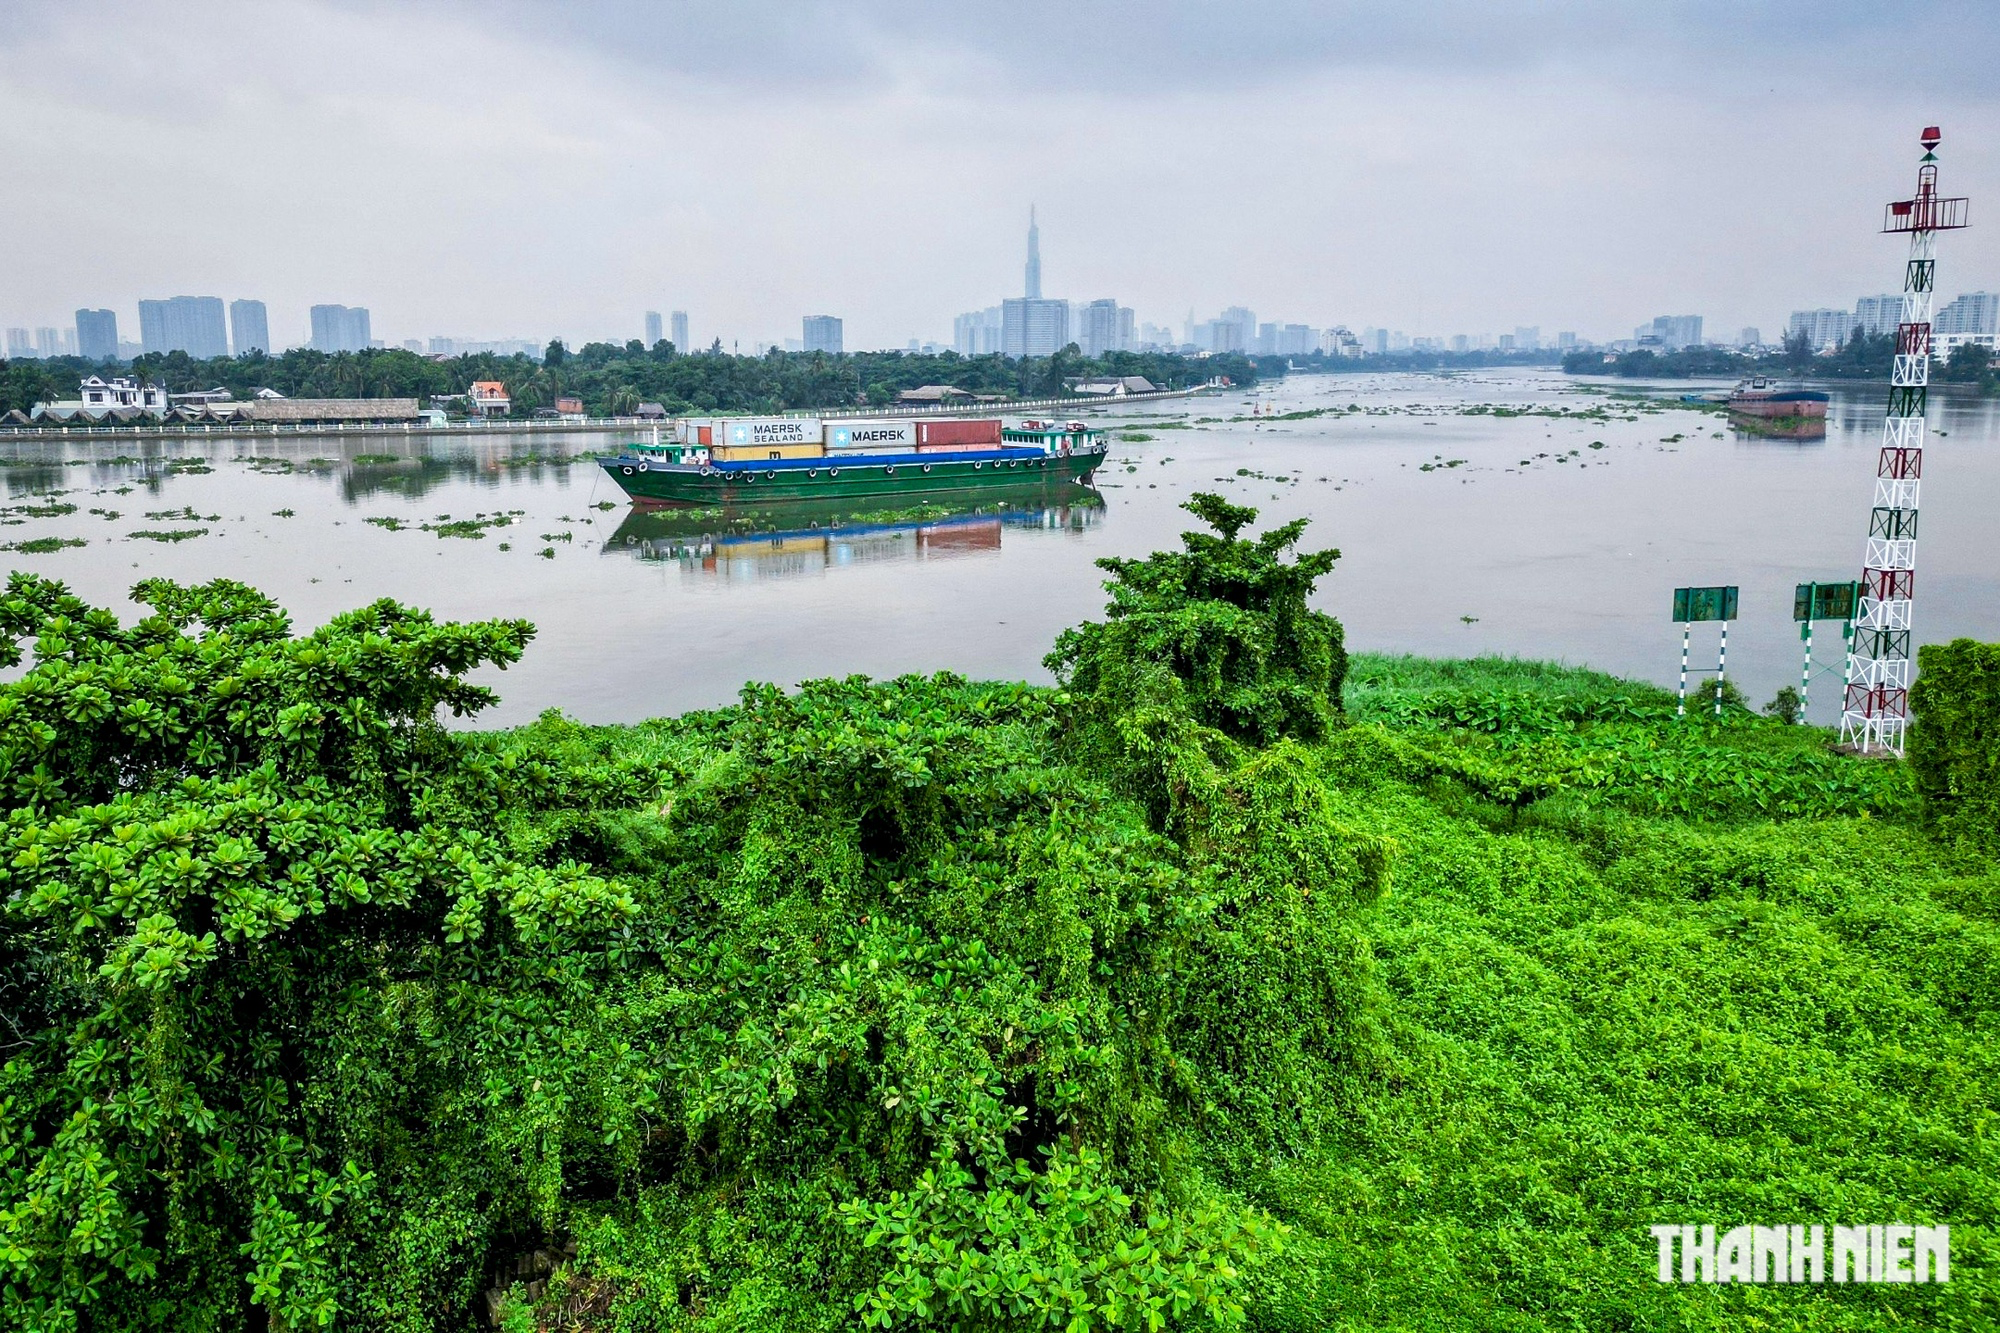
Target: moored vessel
x=1762, y=397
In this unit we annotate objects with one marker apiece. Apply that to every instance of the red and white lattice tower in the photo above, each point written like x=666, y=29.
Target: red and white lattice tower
x=1876, y=712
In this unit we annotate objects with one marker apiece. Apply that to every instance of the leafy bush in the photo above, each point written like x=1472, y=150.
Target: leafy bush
x=1201, y=651
x=1955, y=738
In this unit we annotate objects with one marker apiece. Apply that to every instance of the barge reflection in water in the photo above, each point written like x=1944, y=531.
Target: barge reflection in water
x=784, y=541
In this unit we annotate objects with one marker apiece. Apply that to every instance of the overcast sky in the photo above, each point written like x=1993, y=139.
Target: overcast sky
x=512, y=168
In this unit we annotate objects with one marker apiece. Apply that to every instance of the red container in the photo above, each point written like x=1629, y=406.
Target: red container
x=970, y=447
x=984, y=434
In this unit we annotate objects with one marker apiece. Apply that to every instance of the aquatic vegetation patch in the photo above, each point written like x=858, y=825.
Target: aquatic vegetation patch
x=43, y=545
x=168, y=534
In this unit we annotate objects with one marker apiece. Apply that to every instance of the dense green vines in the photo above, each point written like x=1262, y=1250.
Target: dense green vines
x=1179, y=996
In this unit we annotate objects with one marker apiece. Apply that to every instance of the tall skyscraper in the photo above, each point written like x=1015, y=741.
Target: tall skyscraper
x=97, y=335
x=249, y=330
x=653, y=327
x=19, y=344
x=822, y=334
x=339, y=328
x=680, y=331
x=1034, y=285
x=191, y=324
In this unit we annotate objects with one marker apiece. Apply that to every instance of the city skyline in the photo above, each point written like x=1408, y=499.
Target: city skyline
x=1532, y=178
x=1030, y=325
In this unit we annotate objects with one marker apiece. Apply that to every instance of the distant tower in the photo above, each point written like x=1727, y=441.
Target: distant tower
x=1876, y=712
x=1034, y=292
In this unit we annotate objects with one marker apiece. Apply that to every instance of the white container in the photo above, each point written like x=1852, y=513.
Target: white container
x=871, y=436
x=744, y=432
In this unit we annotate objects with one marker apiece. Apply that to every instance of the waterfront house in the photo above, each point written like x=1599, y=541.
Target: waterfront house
x=487, y=398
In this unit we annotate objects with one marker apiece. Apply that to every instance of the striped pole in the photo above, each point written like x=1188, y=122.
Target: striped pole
x=1847, y=645
x=1805, y=672
x=1721, y=667
x=1687, y=631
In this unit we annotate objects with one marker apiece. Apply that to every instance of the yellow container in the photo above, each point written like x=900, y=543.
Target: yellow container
x=758, y=453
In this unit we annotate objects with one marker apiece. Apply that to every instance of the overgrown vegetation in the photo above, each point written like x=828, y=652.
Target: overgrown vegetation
x=1955, y=748
x=1228, y=984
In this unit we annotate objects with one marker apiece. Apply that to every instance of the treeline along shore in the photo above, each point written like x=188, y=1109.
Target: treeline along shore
x=1861, y=357
x=612, y=380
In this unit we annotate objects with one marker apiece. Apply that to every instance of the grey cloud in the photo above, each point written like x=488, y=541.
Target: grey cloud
x=814, y=44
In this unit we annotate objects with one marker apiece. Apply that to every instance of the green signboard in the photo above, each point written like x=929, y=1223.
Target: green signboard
x=1826, y=601
x=1705, y=603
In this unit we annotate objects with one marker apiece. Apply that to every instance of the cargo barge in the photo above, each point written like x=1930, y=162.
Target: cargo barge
x=730, y=461
x=1761, y=407
x=1764, y=398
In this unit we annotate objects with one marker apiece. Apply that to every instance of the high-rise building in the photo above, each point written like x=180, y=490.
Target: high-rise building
x=50, y=342
x=1879, y=315
x=822, y=334
x=1100, y=331
x=1566, y=341
x=1823, y=330
x=249, y=329
x=679, y=331
x=97, y=335
x=19, y=345
x=1246, y=328
x=1971, y=318
x=1671, y=332
x=1528, y=337
x=1033, y=327
x=1751, y=336
x=1033, y=287
x=654, y=329
x=339, y=328
x=1219, y=335
x=1297, y=340
x=191, y=324
x=977, y=332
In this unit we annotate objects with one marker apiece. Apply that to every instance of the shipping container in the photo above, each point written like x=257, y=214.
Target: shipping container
x=985, y=433
x=738, y=431
x=969, y=447
x=886, y=436
x=758, y=453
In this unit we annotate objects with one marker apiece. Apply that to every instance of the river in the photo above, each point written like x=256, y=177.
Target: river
x=1503, y=511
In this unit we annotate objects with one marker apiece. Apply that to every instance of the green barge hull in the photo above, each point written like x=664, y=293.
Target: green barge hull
x=648, y=480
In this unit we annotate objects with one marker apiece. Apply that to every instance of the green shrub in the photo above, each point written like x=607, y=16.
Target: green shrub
x=1955, y=736
x=1222, y=627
